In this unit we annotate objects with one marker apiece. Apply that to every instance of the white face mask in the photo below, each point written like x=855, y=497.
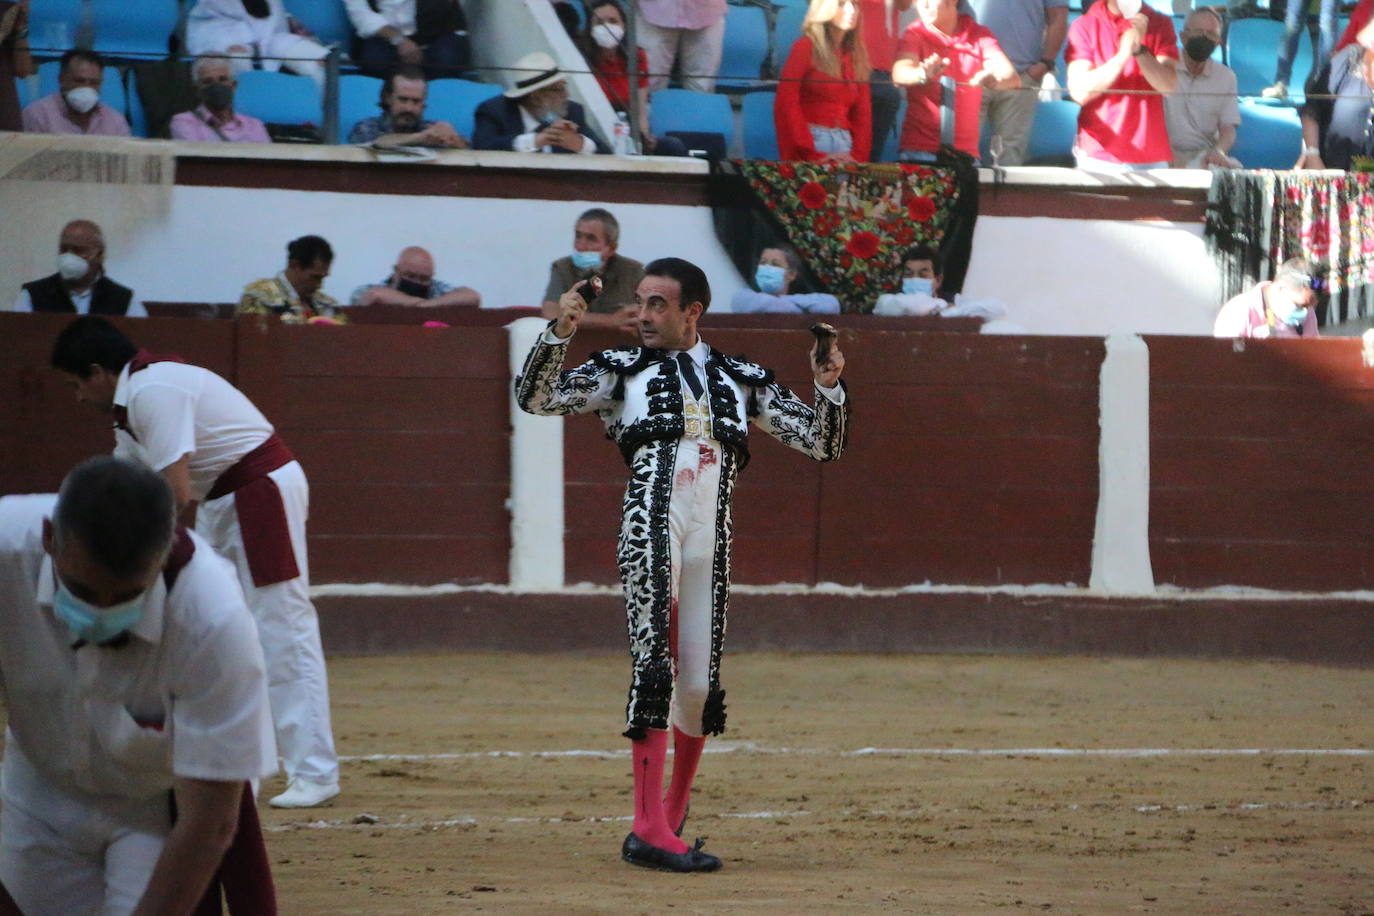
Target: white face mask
x=1129, y=8
x=607, y=36
x=72, y=266
x=83, y=99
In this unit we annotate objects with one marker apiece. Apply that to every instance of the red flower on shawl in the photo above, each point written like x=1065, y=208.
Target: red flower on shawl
x=813, y=195
x=920, y=209
x=786, y=171
x=863, y=244
x=820, y=226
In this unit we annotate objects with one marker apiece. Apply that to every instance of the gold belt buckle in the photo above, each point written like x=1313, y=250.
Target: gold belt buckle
x=694, y=426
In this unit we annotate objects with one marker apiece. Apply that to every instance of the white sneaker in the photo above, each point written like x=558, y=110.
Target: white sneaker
x=302, y=794
x=1277, y=91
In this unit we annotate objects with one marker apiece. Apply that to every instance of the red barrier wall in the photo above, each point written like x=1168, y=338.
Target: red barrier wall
x=972, y=460
x=1257, y=461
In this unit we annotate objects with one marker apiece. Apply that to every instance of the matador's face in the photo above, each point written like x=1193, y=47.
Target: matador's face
x=663, y=321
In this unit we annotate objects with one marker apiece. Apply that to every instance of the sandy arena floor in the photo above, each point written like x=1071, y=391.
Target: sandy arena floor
x=492, y=814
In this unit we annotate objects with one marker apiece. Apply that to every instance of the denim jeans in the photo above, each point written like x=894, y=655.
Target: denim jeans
x=1295, y=24
x=829, y=140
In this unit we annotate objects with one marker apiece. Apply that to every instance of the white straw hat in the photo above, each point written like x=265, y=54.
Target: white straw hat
x=533, y=71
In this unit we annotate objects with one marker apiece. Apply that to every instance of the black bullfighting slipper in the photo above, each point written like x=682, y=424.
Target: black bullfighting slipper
x=638, y=852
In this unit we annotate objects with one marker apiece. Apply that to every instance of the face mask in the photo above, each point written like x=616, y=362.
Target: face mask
x=96, y=625
x=913, y=285
x=1296, y=316
x=770, y=278
x=1129, y=8
x=607, y=36
x=411, y=288
x=72, y=267
x=1199, y=47
x=217, y=96
x=83, y=99
x=586, y=260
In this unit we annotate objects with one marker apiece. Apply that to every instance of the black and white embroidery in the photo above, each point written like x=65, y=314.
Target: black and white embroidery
x=637, y=392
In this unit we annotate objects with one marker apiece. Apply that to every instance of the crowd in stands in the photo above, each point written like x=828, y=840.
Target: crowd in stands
x=1151, y=89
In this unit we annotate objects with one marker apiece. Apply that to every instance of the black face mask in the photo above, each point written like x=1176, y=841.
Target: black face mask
x=217, y=96
x=411, y=288
x=1199, y=47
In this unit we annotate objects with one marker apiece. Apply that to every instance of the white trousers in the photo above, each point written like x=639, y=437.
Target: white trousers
x=692, y=547
x=289, y=630
x=64, y=853
x=696, y=50
x=277, y=50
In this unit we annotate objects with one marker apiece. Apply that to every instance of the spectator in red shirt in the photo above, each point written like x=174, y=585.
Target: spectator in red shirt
x=944, y=43
x=1109, y=51
x=1359, y=18
x=822, y=111
x=603, y=45
x=878, y=24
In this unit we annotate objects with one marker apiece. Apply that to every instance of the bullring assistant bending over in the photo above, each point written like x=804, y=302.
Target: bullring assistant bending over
x=679, y=410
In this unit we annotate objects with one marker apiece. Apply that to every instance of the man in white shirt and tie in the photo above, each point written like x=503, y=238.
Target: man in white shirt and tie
x=679, y=410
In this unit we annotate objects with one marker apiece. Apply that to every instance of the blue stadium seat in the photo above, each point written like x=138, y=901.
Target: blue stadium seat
x=53, y=25
x=744, y=49
x=358, y=98
x=456, y=101
x=789, y=27
x=278, y=98
x=327, y=19
x=1052, y=134
x=1269, y=136
x=1252, y=50
x=760, y=136
x=135, y=28
x=685, y=110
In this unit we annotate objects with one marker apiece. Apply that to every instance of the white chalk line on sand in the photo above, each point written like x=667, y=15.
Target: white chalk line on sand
x=370, y=822
x=745, y=747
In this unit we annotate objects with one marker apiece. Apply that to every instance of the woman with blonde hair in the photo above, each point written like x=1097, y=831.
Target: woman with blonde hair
x=822, y=112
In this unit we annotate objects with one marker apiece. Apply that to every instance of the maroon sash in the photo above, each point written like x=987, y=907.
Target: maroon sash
x=262, y=515
x=245, y=873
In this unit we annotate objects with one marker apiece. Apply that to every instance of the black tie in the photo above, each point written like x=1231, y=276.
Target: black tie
x=689, y=372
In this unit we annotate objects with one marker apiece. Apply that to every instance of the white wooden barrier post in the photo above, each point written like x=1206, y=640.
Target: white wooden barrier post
x=1121, y=541
x=536, y=481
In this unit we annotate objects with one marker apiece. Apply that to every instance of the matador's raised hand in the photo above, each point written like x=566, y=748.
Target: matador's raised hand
x=572, y=306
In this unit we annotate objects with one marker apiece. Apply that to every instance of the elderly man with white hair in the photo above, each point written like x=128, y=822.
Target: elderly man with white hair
x=535, y=114
x=214, y=119
x=1201, y=112
x=412, y=282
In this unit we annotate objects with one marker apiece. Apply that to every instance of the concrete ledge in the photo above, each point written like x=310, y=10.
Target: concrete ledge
x=1328, y=631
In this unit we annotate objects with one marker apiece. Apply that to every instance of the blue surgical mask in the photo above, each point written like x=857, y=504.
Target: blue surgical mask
x=1296, y=316
x=586, y=260
x=770, y=278
x=923, y=285
x=93, y=624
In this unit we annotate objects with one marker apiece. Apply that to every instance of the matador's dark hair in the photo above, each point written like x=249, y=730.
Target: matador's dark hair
x=691, y=278
x=91, y=341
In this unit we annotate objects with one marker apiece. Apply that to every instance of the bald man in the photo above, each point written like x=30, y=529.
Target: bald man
x=80, y=284
x=412, y=282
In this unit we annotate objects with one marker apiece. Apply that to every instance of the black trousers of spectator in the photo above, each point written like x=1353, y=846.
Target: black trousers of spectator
x=887, y=101
x=446, y=56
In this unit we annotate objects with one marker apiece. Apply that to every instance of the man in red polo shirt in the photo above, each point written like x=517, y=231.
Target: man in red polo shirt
x=1122, y=45
x=943, y=43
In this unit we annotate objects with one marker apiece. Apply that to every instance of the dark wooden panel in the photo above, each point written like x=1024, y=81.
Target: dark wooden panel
x=881, y=561
x=968, y=463
x=1204, y=362
x=414, y=456
x=1241, y=413
x=1285, y=566
x=1178, y=205
x=1245, y=514
x=1251, y=464
x=405, y=511
x=417, y=560
x=480, y=406
x=394, y=351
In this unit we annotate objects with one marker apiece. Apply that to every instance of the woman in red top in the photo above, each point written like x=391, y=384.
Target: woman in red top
x=822, y=111
x=603, y=45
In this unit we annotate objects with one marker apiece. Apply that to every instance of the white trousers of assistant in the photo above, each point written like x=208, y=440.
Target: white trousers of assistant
x=289, y=630
x=692, y=547
x=69, y=854
x=696, y=50
x=277, y=50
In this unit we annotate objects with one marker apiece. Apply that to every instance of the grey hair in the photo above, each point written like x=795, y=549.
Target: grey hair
x=607, y=221
x=204, y=59
x=1296, y=274
x=122, y=513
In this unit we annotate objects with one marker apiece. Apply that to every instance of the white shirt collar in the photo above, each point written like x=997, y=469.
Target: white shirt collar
x=697, y=353
x=121, y=394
